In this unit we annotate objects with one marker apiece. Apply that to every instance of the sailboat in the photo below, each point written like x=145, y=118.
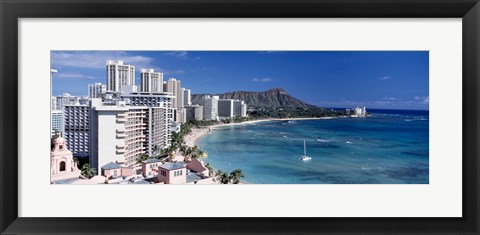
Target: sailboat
x=305, y=157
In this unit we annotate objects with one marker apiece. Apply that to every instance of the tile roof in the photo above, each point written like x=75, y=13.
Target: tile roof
x=111, y=166
x=172, y=166
x=153, y=160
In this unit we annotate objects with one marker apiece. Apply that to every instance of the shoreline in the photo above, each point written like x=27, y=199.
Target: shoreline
x=198, y=132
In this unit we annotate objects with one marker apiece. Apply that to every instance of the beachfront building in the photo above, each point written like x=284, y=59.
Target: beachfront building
x=119, y=74
x=56, y=122
x=187, y=97
x=210, y=107
x=194, y=112
x=226, y=108
x=76, y=128
x=62, y=165
x=172, y=173
x=239, y=108
x=96, y=90
x=360, y=111
x=159, y=118
x=150, y=167
x=117, y=133
x=151, y=81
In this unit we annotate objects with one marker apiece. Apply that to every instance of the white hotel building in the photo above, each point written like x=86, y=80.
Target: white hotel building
x=117, y=133
x=210, y=107
x=160, y=116
x=151, y=81
x=96, y=90
x=119, y=74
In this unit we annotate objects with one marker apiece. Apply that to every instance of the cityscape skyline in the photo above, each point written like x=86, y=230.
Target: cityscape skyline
x=380, y=79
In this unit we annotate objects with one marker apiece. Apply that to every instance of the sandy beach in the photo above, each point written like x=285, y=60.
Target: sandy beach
x=197, y=132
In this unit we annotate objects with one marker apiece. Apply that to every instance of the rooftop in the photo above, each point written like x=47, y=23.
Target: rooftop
x=192, y=177
x=111, y=166
x=172, y=166
x=153, y=160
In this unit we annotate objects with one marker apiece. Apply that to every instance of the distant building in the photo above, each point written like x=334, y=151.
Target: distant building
x=187, y=97
x=54, y=103
x=66, y=99
x=194, y=112
x=57, y=122
x=174, y=87
x=360, y=111
x=243, y=110
x=210, y=107
x=96, y=90
x=226, y=108
x=151, y=81
x=239, y=108
x=172, y=173
x=76, y=128
x=119, y=74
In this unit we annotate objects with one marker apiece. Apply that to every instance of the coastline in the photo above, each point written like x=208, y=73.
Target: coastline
x=198, y=132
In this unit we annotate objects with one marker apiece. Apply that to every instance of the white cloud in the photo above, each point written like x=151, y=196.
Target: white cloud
x=262, y=79
x=422, y=99
x=97, y=59
x=73, y=76
x=385, y=78
x=179, y=54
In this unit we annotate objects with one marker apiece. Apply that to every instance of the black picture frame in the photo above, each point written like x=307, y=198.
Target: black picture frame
x=12, y=10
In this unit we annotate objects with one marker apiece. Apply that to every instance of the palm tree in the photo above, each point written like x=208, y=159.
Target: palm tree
x=236, y=175
x=224, y=179
x=142, y=158
x=88, y=171
x=210, y=169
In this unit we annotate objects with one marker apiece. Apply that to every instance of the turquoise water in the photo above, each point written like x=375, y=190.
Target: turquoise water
x=385, y=148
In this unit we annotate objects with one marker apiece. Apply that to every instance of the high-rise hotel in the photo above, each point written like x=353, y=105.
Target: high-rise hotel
x=119, y=74
x=151, y=81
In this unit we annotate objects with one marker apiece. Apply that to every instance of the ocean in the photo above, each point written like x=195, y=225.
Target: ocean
x=388, y=147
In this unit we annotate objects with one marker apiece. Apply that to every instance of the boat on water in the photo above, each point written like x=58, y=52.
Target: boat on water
x=305, y=157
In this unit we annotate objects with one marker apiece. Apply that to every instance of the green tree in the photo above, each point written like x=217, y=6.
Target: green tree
x=236, y=175
x=142, y=158
x=224, y=178
x=210, y=169
x=52, y=139
x=88, y=171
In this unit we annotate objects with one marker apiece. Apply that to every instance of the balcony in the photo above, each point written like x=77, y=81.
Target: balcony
x=121, y=135
x=121, y=119
x=120, y=131
x=120, y=146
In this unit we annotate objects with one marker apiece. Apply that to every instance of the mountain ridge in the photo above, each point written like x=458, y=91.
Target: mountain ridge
x=272, y=98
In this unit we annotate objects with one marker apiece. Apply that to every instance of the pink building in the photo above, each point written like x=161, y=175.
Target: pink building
x=150, y=167
x=172, y=173
x=198, y=166
x=62, y=165
x=113, y=170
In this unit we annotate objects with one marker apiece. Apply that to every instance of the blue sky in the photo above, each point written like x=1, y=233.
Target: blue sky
x=376, y=79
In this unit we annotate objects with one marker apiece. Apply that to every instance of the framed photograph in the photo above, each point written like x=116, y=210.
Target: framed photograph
x=201, y=117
